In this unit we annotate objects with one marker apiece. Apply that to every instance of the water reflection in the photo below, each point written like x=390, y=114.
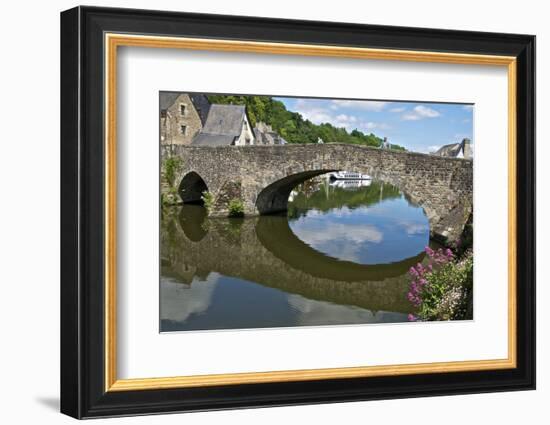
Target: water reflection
x=340, y=257
x=369, y=226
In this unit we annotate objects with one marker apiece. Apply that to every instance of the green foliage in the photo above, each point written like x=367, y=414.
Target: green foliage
x=448, y=292
x=208, y=200
x=236, y=208
x=292, y=126
x=171, y=168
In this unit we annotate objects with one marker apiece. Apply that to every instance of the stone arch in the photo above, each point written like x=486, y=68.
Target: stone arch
x=274, y=197
x=191, y=188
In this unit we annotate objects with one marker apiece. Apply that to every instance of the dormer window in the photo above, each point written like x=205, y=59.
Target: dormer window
x=183, y=109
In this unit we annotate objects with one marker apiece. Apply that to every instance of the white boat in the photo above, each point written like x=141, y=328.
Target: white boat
x=350, y=184
x=349, y=175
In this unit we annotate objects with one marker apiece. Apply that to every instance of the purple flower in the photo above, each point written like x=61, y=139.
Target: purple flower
x=411, y=317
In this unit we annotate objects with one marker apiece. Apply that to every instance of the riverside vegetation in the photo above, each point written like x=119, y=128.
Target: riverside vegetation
x=171, y=167
x=442, y=289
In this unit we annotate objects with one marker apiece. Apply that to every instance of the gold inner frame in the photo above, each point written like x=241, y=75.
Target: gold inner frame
x=113, y=41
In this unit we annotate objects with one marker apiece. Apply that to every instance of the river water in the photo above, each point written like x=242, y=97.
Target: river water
x=339, y=256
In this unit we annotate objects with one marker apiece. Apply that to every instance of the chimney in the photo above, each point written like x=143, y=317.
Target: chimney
x=467, y=148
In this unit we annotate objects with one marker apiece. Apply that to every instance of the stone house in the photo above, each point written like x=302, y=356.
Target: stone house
x=225, y=125
x=182, y=117
x=456, y=150
x=266, y=136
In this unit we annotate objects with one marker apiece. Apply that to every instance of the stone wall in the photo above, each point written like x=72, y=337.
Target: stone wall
x=267, y=174
x=170, y=124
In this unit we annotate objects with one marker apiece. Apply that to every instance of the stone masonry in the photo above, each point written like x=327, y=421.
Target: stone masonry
x=262, y=177
x=180, y=115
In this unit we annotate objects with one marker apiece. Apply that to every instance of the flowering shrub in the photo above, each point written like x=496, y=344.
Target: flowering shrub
x=442, y=289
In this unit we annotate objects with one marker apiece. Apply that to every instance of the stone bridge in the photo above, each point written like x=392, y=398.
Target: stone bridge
x=262, y=177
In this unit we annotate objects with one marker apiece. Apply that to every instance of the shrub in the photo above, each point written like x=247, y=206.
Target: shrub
x=208, y=200
x=170, y=197
x=442, y=290
x=171, y=167
x=236, y=208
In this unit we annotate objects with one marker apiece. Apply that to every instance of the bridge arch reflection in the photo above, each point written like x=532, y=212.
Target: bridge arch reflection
x=264, y=250
x=297, y=254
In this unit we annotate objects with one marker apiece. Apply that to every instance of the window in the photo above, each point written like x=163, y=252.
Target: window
x=183, y=129
x=183, y=109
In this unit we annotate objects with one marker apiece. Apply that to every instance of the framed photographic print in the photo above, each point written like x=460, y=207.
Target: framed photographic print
x=261, y=212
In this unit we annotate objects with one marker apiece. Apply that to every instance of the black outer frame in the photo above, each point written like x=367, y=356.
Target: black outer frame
x=82, y=212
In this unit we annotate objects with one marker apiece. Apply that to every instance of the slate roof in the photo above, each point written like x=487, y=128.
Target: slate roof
x=452, y=150
x=207, y=139
x=167, y=99
x=200, y=102
x=202, y=106
x=225, y=120
x=455, y=149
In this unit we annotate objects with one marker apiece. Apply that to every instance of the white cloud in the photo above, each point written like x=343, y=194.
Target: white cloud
x=312, y=110
x=414, y=228
x=313, y=312
x=352, y=234
x=430, y=149
x=398, y=109
x=420, y=112
x=367, y=105
x=349, y=122
x=468, y=107
x=179, y=301
x=375, y=125
x=346, y=118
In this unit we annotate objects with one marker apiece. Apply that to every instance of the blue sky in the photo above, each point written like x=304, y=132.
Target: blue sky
x=420, y=127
